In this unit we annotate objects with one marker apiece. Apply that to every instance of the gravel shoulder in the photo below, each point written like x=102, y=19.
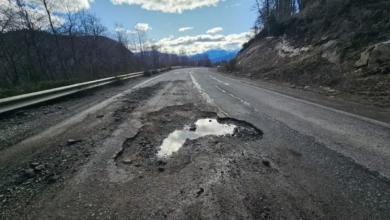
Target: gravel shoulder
x=19, y=125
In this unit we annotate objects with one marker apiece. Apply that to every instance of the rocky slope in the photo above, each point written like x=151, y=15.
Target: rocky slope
x=340, y=49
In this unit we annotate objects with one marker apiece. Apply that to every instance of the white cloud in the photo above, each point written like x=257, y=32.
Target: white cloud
x=124, y=30
x=234, y=5
x=185, y=29
x=214, y=30
x=37, y=13
x=201, y=43
x=37, y=16
x=142, y=27
x=168, y=6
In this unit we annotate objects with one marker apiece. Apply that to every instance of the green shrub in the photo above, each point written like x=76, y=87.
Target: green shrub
x=230, y=66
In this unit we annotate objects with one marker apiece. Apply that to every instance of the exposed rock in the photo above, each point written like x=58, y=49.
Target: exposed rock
x=307, y=88
x=364, y=57
x=99, y=116
x=380, y=56
x=331, y=56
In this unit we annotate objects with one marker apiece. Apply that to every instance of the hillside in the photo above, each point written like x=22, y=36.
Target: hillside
x=33, y=56
x=337, y=49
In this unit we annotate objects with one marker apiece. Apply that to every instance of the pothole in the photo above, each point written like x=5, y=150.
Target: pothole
x=200, y=128
x=180, y=132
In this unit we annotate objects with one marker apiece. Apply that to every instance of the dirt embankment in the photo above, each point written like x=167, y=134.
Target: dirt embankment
x=338, y=50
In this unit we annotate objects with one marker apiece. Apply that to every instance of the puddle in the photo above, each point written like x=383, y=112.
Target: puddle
x=204, y=127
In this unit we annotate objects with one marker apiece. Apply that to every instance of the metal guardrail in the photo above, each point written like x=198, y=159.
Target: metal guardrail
x=21, y=101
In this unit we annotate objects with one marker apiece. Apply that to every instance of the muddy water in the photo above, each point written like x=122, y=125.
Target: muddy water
x=204, y=127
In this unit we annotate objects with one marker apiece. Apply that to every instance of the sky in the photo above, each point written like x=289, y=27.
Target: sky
x=195, y=25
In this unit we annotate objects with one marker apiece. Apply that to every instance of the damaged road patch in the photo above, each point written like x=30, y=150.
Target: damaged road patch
x=168, y=130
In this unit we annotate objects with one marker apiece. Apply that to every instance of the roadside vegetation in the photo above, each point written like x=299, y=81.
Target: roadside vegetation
x=35, y=87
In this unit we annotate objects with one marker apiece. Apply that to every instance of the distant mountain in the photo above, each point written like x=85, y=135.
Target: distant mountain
x=218, y=55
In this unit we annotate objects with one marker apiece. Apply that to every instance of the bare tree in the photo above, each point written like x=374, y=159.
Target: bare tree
x=183, y=57
x=93, y=30
x=48, y=5
x=155, y=54
x=36, y=45
x=123, y=38
x=141, y=39
x=72, y=28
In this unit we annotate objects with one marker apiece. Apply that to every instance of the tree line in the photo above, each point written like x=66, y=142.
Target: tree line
x=271, y=12
x=44, y=45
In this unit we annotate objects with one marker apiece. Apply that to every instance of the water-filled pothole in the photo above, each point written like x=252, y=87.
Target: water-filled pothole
x=201, y=128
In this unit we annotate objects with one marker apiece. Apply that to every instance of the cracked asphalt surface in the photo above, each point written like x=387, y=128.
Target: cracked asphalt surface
x=290, y=159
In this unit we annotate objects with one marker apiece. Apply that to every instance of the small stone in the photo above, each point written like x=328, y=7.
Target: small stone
x=192, y=127
x=210, y=120
x=127, y=160
x=39, y=168
x=140, y=176
x=29, y=173
x=54, y=178
x=99, y=116
x=161, y=162
x=21, y=113
x=306, y=88
x=200, y=191
x=266, y=163
x=71, y=142
x=118, y=119
x=34, y=164
x=58, y=107
x=161, y=169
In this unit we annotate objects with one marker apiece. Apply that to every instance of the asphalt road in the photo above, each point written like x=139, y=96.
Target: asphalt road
x=311, y=161
x=344, y=153
x=364, y=140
